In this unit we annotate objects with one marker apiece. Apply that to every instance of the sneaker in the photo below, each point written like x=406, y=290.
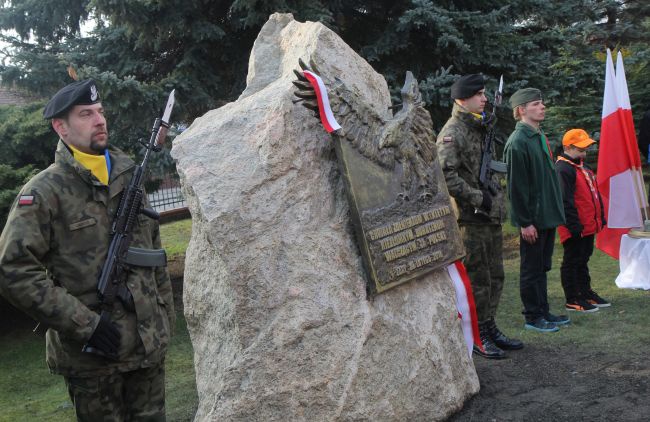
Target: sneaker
x=542, y=326
x=594, y=299
x=580, y=305
x=557, y=319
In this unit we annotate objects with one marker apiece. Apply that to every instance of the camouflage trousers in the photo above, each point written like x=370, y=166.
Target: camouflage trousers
x=484, y=264
x=128, y=396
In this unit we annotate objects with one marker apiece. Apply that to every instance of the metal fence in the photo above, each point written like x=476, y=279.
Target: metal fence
x=168, y=196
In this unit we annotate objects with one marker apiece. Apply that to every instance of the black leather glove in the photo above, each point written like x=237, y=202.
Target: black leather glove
x=106, y=337
x=486, y=204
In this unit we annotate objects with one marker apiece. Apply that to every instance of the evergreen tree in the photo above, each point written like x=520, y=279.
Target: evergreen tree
x=25, y=149
x=138, y=51
x=579, y=69
x=11, y=180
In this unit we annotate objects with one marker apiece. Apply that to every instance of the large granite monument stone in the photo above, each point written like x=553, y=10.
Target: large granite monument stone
x=275, y=289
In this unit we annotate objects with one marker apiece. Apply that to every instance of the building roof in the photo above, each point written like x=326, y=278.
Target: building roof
x=10, y=96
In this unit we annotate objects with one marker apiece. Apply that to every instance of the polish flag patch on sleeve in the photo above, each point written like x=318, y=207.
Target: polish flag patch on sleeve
x=26, y=200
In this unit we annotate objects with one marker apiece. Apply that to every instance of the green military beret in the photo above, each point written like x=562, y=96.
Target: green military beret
x=525, y=95
x=77, y=93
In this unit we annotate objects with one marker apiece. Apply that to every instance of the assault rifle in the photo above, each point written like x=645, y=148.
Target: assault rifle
x=111, y=284
x=488, y=165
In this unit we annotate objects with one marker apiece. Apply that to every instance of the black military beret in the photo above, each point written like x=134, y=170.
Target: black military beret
x=467, y=86
x=76, y=93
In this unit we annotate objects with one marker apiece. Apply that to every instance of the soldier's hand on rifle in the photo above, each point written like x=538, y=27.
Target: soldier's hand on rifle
x=486, y=204
x=106, y=337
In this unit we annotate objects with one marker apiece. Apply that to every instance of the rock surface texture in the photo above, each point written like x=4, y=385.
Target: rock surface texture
x=274, y=291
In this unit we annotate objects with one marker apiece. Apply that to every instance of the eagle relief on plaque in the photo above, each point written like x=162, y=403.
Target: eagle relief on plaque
x=400, y=207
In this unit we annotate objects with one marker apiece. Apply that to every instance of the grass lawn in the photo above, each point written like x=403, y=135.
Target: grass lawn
x=621, y=327
x=175, y=236
x=30, y=393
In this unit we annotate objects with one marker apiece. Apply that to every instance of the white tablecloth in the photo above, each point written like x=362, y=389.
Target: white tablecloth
x=635, y=263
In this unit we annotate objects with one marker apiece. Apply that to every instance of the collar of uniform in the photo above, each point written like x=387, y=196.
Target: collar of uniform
x=120, y=163
x=460, y=113
x=63, y=156
x=528, y=130
x=576, y=161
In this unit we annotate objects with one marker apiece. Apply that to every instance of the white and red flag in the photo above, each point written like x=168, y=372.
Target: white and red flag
x=619, y=165
x=324, y=108
x=465, y=305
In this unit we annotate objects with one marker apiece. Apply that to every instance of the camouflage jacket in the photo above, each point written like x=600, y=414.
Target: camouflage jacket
x=459, y=152
x=51, y=252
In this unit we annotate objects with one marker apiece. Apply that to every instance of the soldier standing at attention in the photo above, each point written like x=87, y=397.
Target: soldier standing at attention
x=536, y=206
x=51, y=252
x=481, y=214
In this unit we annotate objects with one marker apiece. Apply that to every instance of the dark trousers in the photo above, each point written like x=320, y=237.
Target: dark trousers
x=535, y=263
x=576, y=281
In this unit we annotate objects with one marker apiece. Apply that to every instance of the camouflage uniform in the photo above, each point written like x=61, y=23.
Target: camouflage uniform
x=459, y=152
x=51, y=253
x=103, y=398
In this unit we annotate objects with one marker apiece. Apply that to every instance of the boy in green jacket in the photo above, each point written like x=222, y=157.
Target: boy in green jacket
x=535, y=206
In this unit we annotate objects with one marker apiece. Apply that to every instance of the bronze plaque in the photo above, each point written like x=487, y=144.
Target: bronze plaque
x=400, y=206
x=400, y=239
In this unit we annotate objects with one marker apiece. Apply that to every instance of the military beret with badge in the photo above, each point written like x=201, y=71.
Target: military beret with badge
x=77, y=93
x=467, y=86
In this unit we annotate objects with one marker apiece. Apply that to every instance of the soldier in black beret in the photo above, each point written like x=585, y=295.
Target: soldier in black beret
x=52, y=250
x=78, y=118
x=480, y=213
x=77, y=93
x=467, y=86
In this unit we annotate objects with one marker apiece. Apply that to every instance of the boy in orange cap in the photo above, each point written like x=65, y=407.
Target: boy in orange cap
x=585, y=216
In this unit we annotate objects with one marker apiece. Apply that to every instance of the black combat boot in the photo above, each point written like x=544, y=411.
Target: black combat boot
x=500, y=339
x=490, y=350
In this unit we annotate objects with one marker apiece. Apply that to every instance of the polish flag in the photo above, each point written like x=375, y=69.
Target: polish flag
x=619, y=165
x=465, y=305
x=324, y=108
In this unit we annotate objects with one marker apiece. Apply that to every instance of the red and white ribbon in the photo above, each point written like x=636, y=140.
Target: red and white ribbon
x=465, y=305
x=324, y=108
